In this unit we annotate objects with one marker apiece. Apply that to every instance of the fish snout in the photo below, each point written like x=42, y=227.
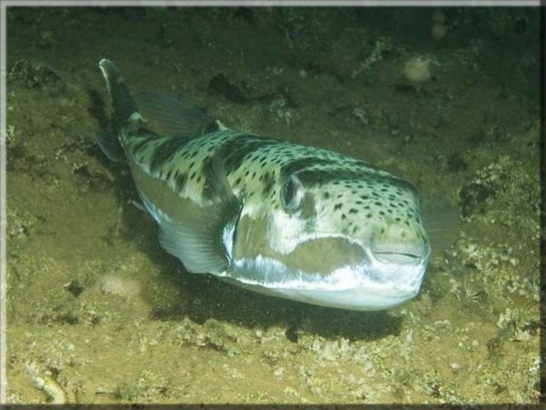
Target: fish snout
x=400, y=244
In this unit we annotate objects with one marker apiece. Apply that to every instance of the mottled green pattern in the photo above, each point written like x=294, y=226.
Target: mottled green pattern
x=257, y=167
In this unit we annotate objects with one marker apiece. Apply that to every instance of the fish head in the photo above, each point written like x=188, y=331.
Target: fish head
x=327, y=239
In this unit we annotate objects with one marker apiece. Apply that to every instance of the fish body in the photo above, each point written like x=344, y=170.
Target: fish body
x=274, y=217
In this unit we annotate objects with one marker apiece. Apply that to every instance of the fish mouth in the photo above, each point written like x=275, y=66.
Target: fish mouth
x=412, y=252
x=399, y=258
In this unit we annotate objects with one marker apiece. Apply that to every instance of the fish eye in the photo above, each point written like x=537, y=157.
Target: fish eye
x=292, y=194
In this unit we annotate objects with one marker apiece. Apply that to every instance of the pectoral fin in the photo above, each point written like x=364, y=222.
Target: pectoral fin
x=202, y=236
x=198, y=243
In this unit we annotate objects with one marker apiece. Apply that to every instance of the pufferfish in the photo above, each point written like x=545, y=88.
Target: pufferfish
x=282, y=219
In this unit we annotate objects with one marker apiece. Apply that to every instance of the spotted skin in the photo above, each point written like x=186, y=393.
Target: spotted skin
x=307, y=224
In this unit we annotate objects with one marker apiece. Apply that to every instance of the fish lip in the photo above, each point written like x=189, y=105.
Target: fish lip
x=401, y=255
x=398, y=258
x=397, y=273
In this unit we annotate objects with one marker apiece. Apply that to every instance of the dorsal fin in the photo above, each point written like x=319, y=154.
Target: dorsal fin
x=170, y=116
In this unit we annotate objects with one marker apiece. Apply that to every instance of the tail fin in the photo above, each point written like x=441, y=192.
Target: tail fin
x=126, y=112
x=165, y=115
x=170, y=115
x=124, y=104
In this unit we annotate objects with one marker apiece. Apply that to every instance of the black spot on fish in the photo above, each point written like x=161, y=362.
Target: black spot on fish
x=303, y=163
x=180, y=181
x=165, y=151
x=142, y=142
x=268, y=183
x=234, y=151
x=336, y=176
x=210, y=184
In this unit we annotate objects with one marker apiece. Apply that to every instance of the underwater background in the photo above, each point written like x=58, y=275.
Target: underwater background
x=446, y=98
